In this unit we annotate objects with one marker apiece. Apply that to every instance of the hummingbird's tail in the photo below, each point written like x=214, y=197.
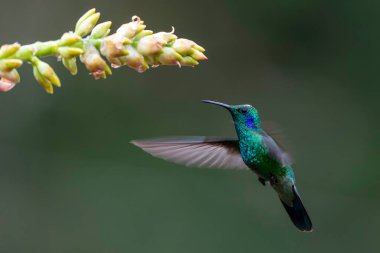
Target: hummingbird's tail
x=296, y=210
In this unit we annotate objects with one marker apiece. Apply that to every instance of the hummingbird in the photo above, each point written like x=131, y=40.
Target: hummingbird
x=253, y=149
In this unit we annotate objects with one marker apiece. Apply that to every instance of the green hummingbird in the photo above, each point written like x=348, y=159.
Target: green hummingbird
x=254, y=149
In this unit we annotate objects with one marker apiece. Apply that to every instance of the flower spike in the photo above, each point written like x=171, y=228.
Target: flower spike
x=131, y=45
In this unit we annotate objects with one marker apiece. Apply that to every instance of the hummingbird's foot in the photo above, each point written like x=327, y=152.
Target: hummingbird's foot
x=262, y=181
x=273, y=180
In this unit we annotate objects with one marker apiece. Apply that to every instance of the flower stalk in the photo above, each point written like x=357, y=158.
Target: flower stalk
x=131, y=45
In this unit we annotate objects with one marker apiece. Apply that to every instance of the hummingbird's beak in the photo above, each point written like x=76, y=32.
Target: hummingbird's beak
x=217, y=103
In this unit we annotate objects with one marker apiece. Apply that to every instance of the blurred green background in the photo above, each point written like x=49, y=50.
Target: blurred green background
x=70, y=181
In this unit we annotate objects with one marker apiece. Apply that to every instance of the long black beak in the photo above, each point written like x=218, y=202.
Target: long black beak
x=217, y=103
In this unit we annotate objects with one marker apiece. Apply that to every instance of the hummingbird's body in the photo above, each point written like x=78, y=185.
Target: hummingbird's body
x=254, y=149
x=255, y=155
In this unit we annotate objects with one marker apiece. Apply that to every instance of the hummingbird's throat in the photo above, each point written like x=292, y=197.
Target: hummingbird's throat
x=250, y=123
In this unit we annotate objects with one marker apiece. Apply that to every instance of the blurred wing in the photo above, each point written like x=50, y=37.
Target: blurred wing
x=275, y=152
x=196, y=151
x=274, y=130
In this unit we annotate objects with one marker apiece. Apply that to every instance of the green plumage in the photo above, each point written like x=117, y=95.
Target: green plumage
x=253, y=144
x=254, y=149
x=255, y=154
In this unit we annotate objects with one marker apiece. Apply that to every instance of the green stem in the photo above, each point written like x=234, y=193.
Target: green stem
x=42, y=49
x=95, y=42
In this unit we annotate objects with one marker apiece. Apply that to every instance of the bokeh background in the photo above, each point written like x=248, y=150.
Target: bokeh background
x=70, y=181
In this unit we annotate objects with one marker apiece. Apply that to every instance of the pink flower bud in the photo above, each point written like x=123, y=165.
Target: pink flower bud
x=183, y=46
x=130, y=29
x=134, y=60
x=165, y=37
x=12, y=76
x=113, y=47
x=199, y=48
x=94, y=62
x=6, y=85
x=187, y=47
x=197, y=55
x=150, y=45
x=169, y=56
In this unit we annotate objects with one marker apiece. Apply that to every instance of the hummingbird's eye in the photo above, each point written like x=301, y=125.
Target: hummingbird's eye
x=244, y=110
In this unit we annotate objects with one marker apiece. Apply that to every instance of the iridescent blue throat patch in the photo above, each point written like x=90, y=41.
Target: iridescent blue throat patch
x=250, y=122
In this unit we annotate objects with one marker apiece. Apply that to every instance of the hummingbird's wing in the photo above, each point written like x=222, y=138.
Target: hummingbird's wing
x=274, y=130
x=196, y=151
x=275, y=151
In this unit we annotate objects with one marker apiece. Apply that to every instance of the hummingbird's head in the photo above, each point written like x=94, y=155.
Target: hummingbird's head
x=243, y=115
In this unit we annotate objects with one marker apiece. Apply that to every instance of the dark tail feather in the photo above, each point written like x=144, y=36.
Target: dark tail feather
x=298, y=214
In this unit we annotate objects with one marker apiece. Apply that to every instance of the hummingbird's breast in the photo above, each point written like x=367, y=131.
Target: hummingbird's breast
x=255, y=155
